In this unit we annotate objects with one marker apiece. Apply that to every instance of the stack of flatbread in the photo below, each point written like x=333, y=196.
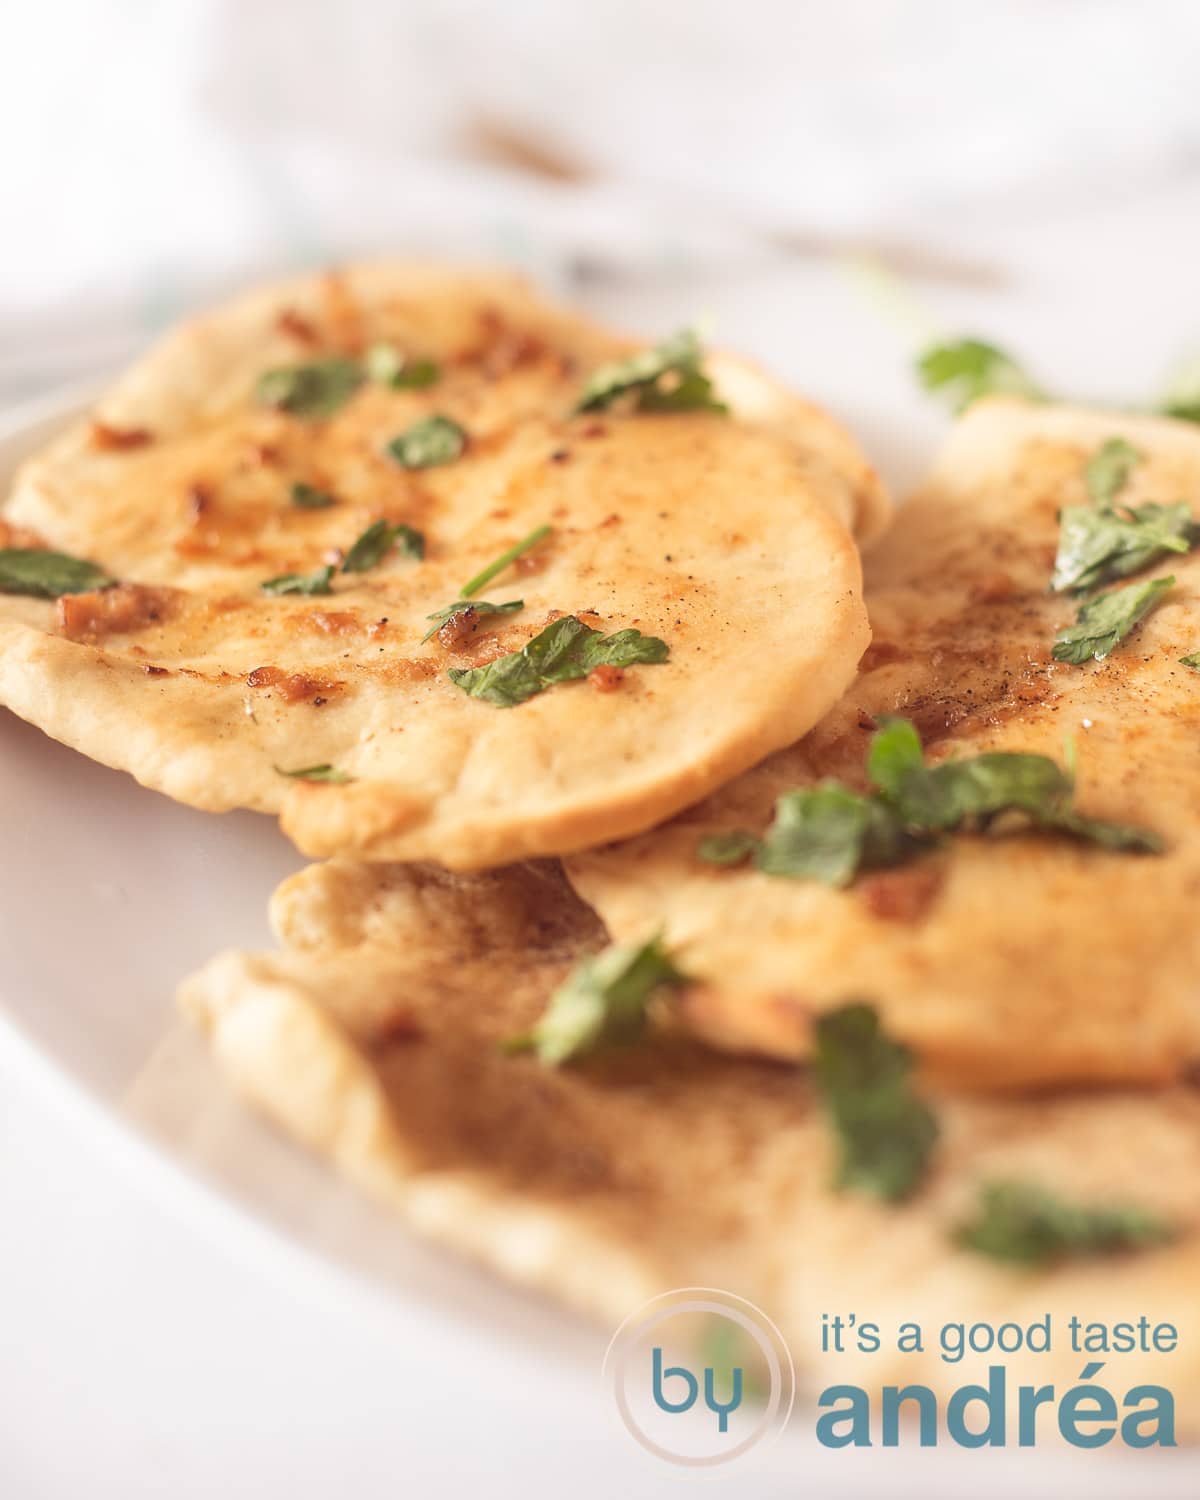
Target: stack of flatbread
x=556, y=650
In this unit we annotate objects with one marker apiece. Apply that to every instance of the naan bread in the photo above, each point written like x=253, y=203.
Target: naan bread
x=726, y=538
x=1004, y=959
x=373, y=1040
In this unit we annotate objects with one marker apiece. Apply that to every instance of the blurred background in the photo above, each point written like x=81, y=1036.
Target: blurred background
x=1033, y=165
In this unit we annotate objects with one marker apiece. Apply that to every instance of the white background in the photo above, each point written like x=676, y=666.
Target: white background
x=153, y=153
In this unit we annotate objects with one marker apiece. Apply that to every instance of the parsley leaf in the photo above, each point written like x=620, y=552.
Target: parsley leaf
x=1097, y=546
x=308, y=497
x=377, y=541
x=311, y=390
x=1108, y=469
x=831, y=833
x=48, y=575
x=1192, y=661
x=731, y=848
x=967, y=369
x=603, y=1002
x=388, y=366
x=1019, y=1222
x=480, y=606
x=300, y=583
x=1103, y=622
x=327, y=773
x=428, y=443
x=668, y=377
x=887, y=1131
x=564, y=652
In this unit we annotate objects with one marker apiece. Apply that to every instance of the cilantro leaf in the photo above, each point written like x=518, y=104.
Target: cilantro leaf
x=1192, y=661
x=327, y=773
x=377, y=541
x=317, y=389
x=668, y=377
x=1025, y=1224
x=965, y=370
x=386, y=365
x=461, y=606
x=564, y=652
x=886, y=1130
x=308, y=497
x=603, y=1002
x=1108, y=469
x=428, y=443
x=730, y=848
x=1097, y=546
x=43, y=574
x=300, y=583
x=1103, y=622
x=831, y=833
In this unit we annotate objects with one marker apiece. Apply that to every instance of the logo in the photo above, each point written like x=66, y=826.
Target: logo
x=700, y=1376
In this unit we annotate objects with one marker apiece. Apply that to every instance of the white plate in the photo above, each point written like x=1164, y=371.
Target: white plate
x=108, y=895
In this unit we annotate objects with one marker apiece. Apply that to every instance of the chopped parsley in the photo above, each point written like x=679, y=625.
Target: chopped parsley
x=317, y=389
x=832, y=833
x=669, y=377
x=480, y=606
x=1103, y=622
x=331, y=775
x=377, y=541
x=387, y=365
x=965, y=370
x=1096, y=546
x=428, y=443
x=300, y=583
x=505, y=560
x=886, y=1130
x=602, y=1003
x=1025, y=1224
x=43, y=574
x=1107, y=471
x=564, y=651
x=308, y=497
x=1192, y=661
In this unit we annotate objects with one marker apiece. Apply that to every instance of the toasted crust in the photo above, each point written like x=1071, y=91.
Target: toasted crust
x=1005, y=960
x=728, y=539
x=373, y=1038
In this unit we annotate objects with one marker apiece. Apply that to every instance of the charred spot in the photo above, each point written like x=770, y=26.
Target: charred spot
x=106, y=438
x=606, y=678
x=297, y=326
x=902, y=895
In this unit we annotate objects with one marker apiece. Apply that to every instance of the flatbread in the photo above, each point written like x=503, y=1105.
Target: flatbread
x=1003, y=960
x=728, y=539
x=372, y=1038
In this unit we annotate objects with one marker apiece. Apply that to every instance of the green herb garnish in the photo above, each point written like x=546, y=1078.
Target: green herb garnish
x=1099, y=545
x=506, y=559
x=669, y=377
x=300, y=583
x=388, y=366
x=886, y=1130
x=1107, y=471
x=377, y=541
x=1027, y=1225
x=308, y=497
x=326, y=773
x=310, y=390
x=1103, y=622
x=602, y=1003
x=732, y=848
x=1192, y=661
x=428, y=443
x=43, y=574
x=480, y=606
x=564, y=652
x=967, y=369
x=832, y=833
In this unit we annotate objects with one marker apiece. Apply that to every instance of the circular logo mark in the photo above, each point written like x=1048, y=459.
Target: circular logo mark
x=700, y=1376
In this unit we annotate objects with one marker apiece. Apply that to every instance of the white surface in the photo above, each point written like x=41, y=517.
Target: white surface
x=152, y=1342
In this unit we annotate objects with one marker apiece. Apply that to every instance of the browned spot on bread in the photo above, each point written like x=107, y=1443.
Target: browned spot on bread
x=606, y=678
x=18, y=536
x=114, y=611
x=297, y=326
x=293, y=687
x=903, y=895
x=109, y=439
